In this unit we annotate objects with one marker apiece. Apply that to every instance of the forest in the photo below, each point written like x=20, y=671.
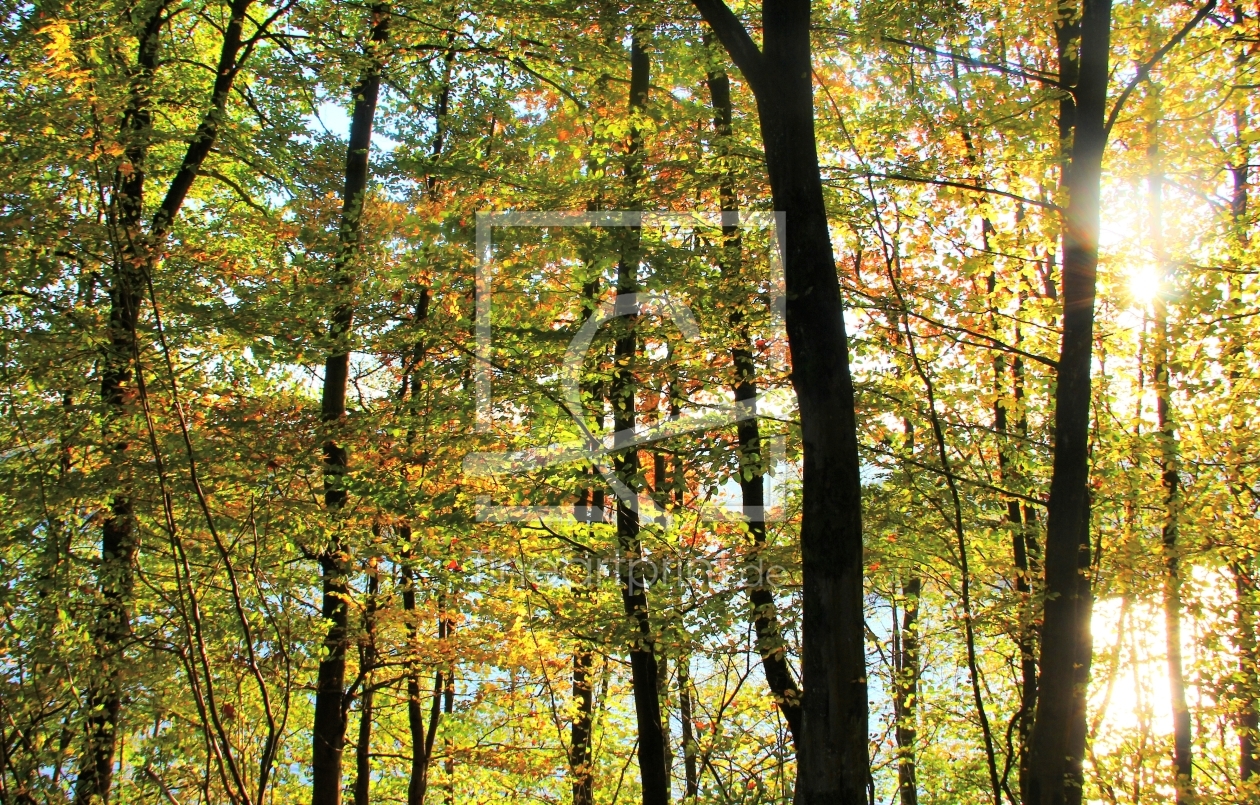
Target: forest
x=845, y=402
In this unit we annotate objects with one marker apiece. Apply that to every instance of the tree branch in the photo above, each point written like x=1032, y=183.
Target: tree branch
x=1144, y=69
x=1045, y=205
x=973, y=62
x=734, y=37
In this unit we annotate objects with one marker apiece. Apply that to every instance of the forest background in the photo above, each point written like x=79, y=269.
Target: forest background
x=308, y=495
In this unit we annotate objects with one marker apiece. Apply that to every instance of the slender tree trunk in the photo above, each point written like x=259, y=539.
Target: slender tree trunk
x=653, y=768
x=1168, y=450
x=136, y=257
x=752, y=463
x=906, y=666
x=580, y=760
x=590, y=509
x=328, y=733
x=906, y=690
x=969, y=636
x=422, y=736
x=448, y=706
x=686, y=714
x=833, y=760
x=1020, y=522
x=1059, y=730
x=1249, y=668
x=367, y=663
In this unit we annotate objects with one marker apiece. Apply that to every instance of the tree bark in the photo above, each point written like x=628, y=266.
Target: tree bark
x=1020, y=521
x=580, y=760
x=328, y=732
x=832, y=752
x=751, y=460
x=653, y=768
x=422, y=736
x=135, y=259
x=367, y=663
x=686, y=713
x=1249, y=671
x=906, y=690
x=1059, y=730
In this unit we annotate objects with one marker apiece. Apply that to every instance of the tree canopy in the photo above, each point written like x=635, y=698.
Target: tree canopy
x=577, y=401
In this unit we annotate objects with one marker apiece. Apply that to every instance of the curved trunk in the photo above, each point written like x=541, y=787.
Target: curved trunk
x=328, y=732
x=833, y=759
x=752, y=461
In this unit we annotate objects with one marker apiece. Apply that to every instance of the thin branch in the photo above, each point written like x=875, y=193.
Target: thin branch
x=973, y=62
x=964, y=186
x=1144, y=69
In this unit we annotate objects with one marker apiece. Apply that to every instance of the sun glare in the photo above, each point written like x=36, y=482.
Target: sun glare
x=1143, y=283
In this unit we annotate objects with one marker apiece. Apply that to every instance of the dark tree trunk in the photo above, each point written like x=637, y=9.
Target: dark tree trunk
x=1059, y=731
x=135, y=258
x=1249, y=671
x=448, y=706
x=328, y=733
x=590, y=509
x=906, y=664
x=367, y=663
x=653, y=768
x=686, y=712
x=832, y=754
x=422, y=736
x=1020, y=524
x=752, y=465
x=580, y=760
x=969, y=635
x=906, y=691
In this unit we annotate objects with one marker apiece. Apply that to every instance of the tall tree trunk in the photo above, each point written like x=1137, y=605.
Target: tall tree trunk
x=1020, y=521
x=580, y=743
x=135, y=259
x=590, y=509
x=906, y=665
x=906, y=690
x=1168, y=450
x=1059, y=729
x=942, y=451
x=328, y=733
x=367, y=663
x=422, y=735
x=686, y=714
x=653, y=768
x=119, y=545
x=447, y=707
x=1249, y=671
x=752, y=462
x=833, y=761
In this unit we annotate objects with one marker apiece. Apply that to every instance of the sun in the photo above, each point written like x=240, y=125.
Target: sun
x=1144, y=283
